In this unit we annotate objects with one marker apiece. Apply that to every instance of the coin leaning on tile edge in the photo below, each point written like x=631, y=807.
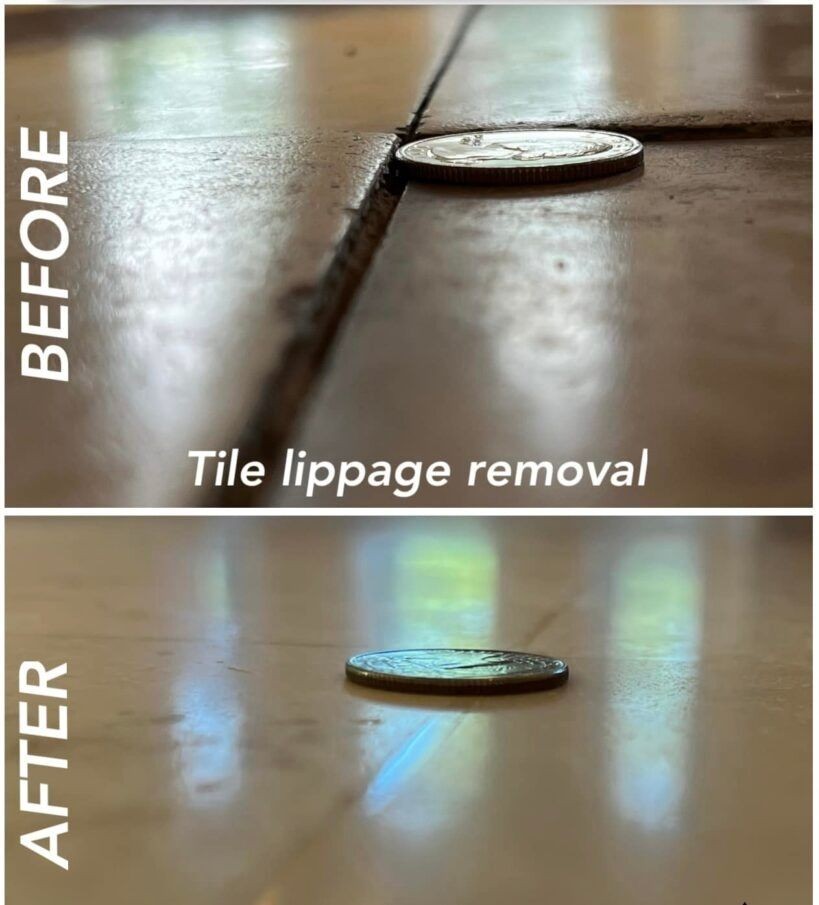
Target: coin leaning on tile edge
x=537, y=157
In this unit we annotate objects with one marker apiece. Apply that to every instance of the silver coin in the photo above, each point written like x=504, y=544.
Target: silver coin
x=456, y=671
x=514, y=157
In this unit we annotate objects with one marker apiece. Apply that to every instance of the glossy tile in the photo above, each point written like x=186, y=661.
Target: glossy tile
x=217, y=756
x=218, y=158
x=667, y=309
x=646, y=68
x=192, y=268
x=170, y=72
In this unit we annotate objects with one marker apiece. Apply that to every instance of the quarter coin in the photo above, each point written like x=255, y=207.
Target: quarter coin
x=520, y=157
x=456, y=671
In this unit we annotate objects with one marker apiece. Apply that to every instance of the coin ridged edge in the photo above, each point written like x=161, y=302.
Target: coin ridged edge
x=513, y=684
x=555, y=173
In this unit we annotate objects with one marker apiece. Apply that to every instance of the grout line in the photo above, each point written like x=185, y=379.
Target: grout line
x=655, y=132
x=286, y=392
x=458, y=39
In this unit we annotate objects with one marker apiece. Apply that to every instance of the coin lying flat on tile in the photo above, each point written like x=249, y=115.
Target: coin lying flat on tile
x=456, y=671
x=520, y=157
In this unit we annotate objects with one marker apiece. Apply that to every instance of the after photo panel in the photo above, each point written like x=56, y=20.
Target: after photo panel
x=216, y=752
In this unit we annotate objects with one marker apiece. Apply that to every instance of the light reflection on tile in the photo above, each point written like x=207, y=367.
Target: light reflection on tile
x=421, y=580
x=655, y=615
x=218, y=156
x=401, y=765
x=585, y=323
x=151, y=73
x=219, y=757
x=628, y=64
x=135, y=82
x=452, y=787
x=586, y=353
x=211, y=705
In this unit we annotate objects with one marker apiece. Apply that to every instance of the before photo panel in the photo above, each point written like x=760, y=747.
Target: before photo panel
x=287, y=256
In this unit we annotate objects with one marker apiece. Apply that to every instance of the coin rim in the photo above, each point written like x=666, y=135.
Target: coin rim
x=523, y=174
x=507, y=684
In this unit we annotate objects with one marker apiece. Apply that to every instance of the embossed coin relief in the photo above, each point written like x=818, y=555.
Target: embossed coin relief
x=520, y=156
x=456, y=671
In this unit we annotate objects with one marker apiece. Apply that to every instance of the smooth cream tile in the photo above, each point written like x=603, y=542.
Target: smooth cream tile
x=217, y=755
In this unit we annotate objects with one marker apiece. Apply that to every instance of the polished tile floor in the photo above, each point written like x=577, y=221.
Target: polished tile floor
x=665, y=309
x=644, y=68
x=227, y=211
x=217, y=757
x=218, y=157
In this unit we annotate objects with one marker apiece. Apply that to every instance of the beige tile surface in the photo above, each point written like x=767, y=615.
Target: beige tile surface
x=217, y=159
x=191, y=71
x=668, y=309
x=191, y=270
x=645, y=68
x=217, y=756
x=222, y=157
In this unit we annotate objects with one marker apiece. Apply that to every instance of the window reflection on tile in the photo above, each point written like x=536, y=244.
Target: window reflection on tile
x=182, y=78
x=428, y=583
x=206, y=72
x=206, y=697
x=656, y=600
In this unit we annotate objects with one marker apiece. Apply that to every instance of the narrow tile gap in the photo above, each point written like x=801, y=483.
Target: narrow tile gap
x=285, y=393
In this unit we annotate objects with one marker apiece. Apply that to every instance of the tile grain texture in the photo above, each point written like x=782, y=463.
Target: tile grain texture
x=217, y=158
x=667, y=309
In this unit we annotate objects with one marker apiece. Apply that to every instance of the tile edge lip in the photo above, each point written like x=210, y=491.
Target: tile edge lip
x=672, y=129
